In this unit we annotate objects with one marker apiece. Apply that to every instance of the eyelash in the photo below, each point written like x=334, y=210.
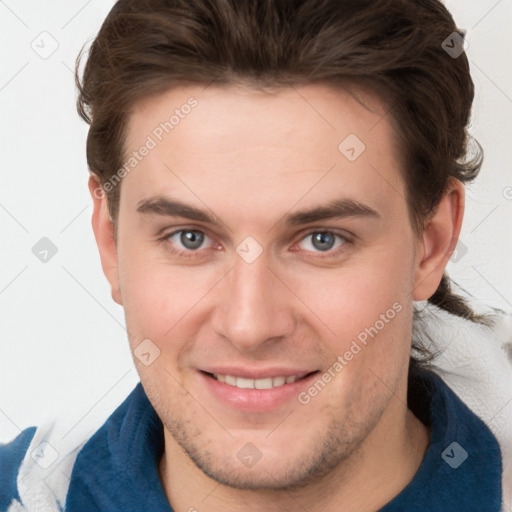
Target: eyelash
x=197, y=253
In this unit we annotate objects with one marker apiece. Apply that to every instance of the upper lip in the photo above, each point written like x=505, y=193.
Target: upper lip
x=256, y=373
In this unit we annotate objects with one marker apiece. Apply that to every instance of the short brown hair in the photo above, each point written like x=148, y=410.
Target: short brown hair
x=392, y=47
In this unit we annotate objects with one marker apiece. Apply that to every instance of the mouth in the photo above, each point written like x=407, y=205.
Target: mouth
x=263, y=383
x=256, y=393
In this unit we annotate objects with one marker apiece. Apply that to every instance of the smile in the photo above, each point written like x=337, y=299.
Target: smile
x=266, y=383
x=255, y=390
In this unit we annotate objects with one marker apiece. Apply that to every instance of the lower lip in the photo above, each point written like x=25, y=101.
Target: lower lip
x=255, y=400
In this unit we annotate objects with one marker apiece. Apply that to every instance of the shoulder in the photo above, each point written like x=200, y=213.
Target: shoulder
x=11, y=457
x=39, y=467
x=475, y=361
x=34, y=469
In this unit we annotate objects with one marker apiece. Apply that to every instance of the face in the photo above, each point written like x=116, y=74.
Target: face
x=271, y=262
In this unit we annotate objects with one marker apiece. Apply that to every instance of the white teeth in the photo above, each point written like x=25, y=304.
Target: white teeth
x=263, y=383
x=278, y=381
x=230, y=380
x=266, y=383
x=244, y=383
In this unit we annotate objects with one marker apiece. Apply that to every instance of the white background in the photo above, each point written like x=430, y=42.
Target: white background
x=64, y=351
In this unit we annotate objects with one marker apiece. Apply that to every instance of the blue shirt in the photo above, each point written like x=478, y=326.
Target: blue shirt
x=117, y=468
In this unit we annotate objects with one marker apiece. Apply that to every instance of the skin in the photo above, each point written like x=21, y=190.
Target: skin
x=251, y=158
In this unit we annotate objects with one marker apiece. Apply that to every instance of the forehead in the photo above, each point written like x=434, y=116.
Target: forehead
x=218, y=112
x=262, y=146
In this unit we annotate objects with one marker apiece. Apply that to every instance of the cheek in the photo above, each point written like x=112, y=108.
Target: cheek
x=363, y=310
x=148, y=293
x=357, y=295
x=159, y=298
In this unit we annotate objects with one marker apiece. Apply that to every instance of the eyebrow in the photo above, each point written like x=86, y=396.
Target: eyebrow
x=337, y=208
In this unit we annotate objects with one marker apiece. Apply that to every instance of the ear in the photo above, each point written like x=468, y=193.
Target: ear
x=438, y=241
x=103, y=228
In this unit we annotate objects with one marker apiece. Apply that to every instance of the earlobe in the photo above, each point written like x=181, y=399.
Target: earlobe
x=103, y=228
x=438, y=241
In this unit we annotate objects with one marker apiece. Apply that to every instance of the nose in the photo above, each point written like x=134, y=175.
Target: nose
x=254, y=307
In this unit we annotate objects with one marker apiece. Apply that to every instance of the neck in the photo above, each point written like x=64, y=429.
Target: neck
x=371, y=477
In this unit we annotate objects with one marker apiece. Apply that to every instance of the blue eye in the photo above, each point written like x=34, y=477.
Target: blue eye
x=190, y=239
x=193, y=242
x=323, y=241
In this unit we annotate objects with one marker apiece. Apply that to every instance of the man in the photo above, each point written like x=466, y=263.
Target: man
x=276, y=187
